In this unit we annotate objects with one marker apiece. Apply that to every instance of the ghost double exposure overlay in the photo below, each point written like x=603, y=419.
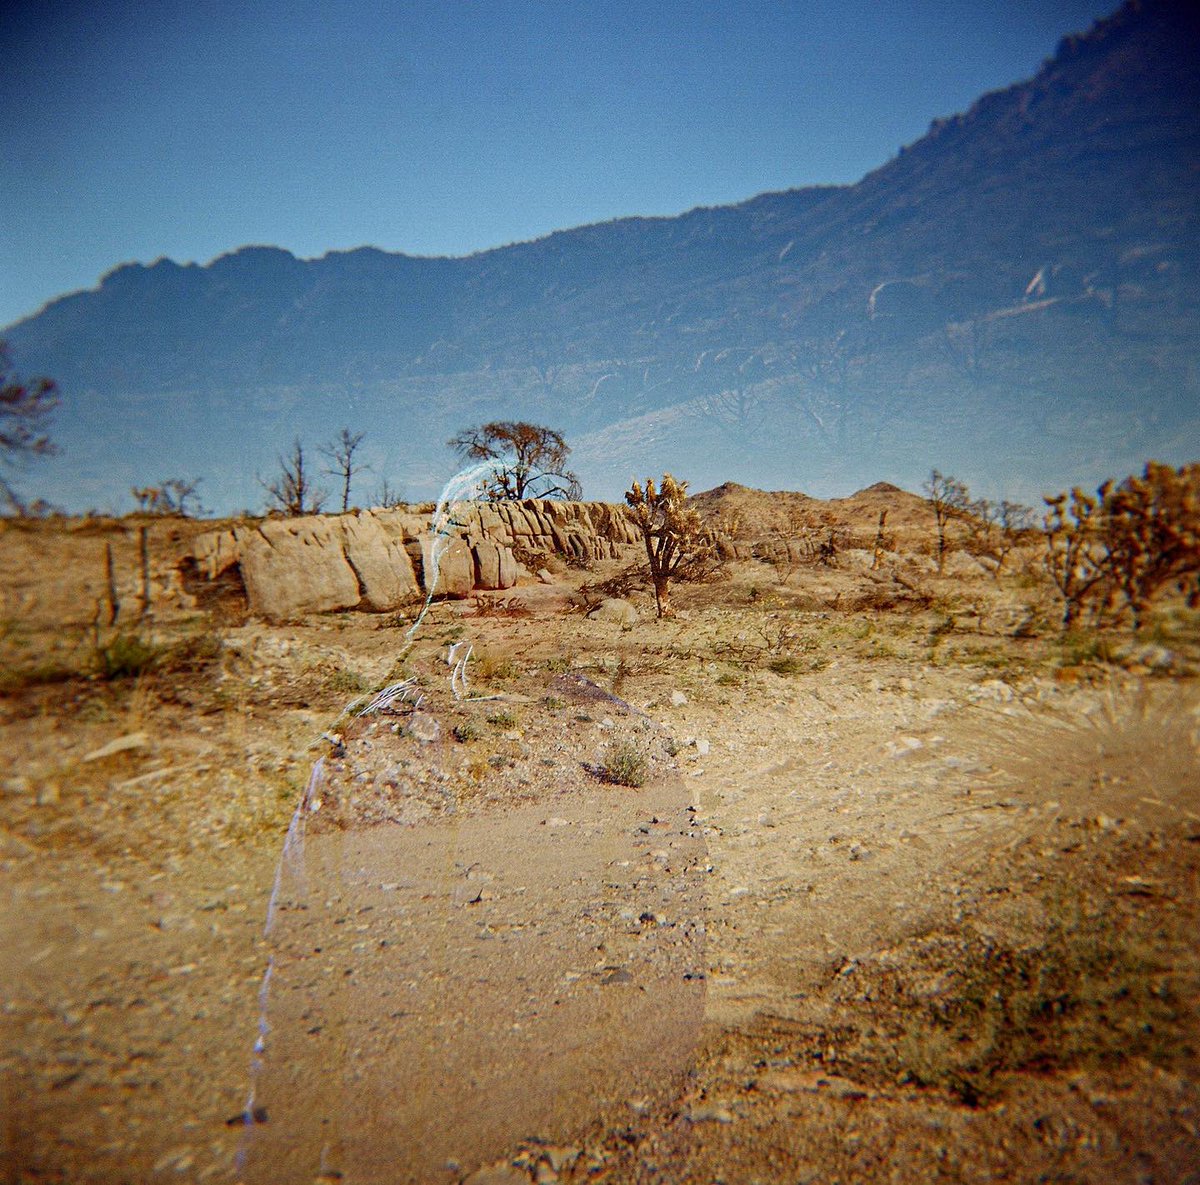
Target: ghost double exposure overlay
x=473, y=945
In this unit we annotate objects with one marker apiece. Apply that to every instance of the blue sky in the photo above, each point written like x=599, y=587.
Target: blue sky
x=187, y=129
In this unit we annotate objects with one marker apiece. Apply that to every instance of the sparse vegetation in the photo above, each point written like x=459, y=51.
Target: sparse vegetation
x=950, y=1009
x=340, y=455
x=466, y=731
x=1090, y=991
x=25, y=411
x=294, y=492
x=948, y=499
x=626, y=764
x=530, y=460
x=673, y=533
x=172, y=495
x=126, y=655
x=1116, y=551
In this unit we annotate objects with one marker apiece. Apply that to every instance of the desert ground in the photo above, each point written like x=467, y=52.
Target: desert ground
x=849, y=872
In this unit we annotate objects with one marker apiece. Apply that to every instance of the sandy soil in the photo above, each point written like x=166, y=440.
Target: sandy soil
x=919, y=904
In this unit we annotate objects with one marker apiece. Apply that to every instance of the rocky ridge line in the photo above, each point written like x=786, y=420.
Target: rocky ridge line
x=377, y=560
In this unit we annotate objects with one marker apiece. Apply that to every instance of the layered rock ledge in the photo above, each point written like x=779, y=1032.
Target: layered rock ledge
x=378, y=560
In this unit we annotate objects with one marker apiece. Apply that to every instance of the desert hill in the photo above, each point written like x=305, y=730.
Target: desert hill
x=759, y=513
x=1014, y=297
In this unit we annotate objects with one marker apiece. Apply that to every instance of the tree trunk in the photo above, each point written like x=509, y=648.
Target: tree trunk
x=110, y=580
x=662, y=596
x=144, y=549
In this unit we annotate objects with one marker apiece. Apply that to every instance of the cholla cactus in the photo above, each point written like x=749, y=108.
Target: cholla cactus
x=1076, y=560
x=1127, y=543
x=1152, y=534
x=673, y=533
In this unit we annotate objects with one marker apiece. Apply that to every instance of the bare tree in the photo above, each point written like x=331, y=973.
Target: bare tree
x=25, y=411
x=340, y=453
x=293, y=491
x=174, y=495
x=996, y=528
x=948, y=498
x=388, y=495
x=673, y=532
x=532, y=460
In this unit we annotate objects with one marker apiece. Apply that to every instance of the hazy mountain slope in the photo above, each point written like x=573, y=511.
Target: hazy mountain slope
x=1016, y=295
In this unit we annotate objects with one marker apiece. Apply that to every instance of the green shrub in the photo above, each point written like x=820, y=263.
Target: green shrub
x=125, y=656
x=626, y=764
x=787, y=664
x=503, y=719
x=193, y=653
x=468, y=730
x=1084, y=646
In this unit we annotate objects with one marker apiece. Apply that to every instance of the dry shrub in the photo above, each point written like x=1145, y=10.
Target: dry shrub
x=626, y=764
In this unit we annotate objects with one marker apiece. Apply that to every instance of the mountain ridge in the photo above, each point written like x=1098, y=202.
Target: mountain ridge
x=1036, y=257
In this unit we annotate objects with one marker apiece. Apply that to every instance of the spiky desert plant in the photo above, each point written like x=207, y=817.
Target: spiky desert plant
x=1152, y=535
x=673, y=532
x=1076, y=559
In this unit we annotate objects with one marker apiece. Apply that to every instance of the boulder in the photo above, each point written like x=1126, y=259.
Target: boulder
x=296, y=566
x=455, y=566
x=378, y=559
x=615, y=609
x=215, y=552
x=385, y=573
x=495, y=566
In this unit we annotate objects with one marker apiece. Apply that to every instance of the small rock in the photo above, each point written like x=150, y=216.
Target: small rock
x=503, y=1172
x=48, y=794
x=703, y=747
x=424, y=727
x=560, y=1155
x=18, y=785
x=993, y=689
x=709, y=1113
x=793, y=1080
x=544, y=575
x=616, y=610
x=902, y=746
x=678, y=699
x=125, y=744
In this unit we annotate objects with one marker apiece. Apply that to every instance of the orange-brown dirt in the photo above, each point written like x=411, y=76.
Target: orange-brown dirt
x=909, y=891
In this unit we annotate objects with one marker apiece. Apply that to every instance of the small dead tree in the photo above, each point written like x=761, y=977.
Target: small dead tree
x=532, y=460
x=675, y=537
x=25, y=411
x=948, y=498
x=995, y=528
x=1076, y=559
x=293, y=491
x=174, y=495
x=340, y=454
x=883, y=541
x=387, y=495
x=1015, y=521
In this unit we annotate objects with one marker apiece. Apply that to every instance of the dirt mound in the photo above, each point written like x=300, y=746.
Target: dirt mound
x=757, y=514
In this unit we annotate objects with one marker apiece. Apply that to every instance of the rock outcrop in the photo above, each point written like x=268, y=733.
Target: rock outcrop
x=378, y=560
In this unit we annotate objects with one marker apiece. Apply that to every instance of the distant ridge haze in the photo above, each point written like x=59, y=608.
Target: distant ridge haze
x=1014, y=297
